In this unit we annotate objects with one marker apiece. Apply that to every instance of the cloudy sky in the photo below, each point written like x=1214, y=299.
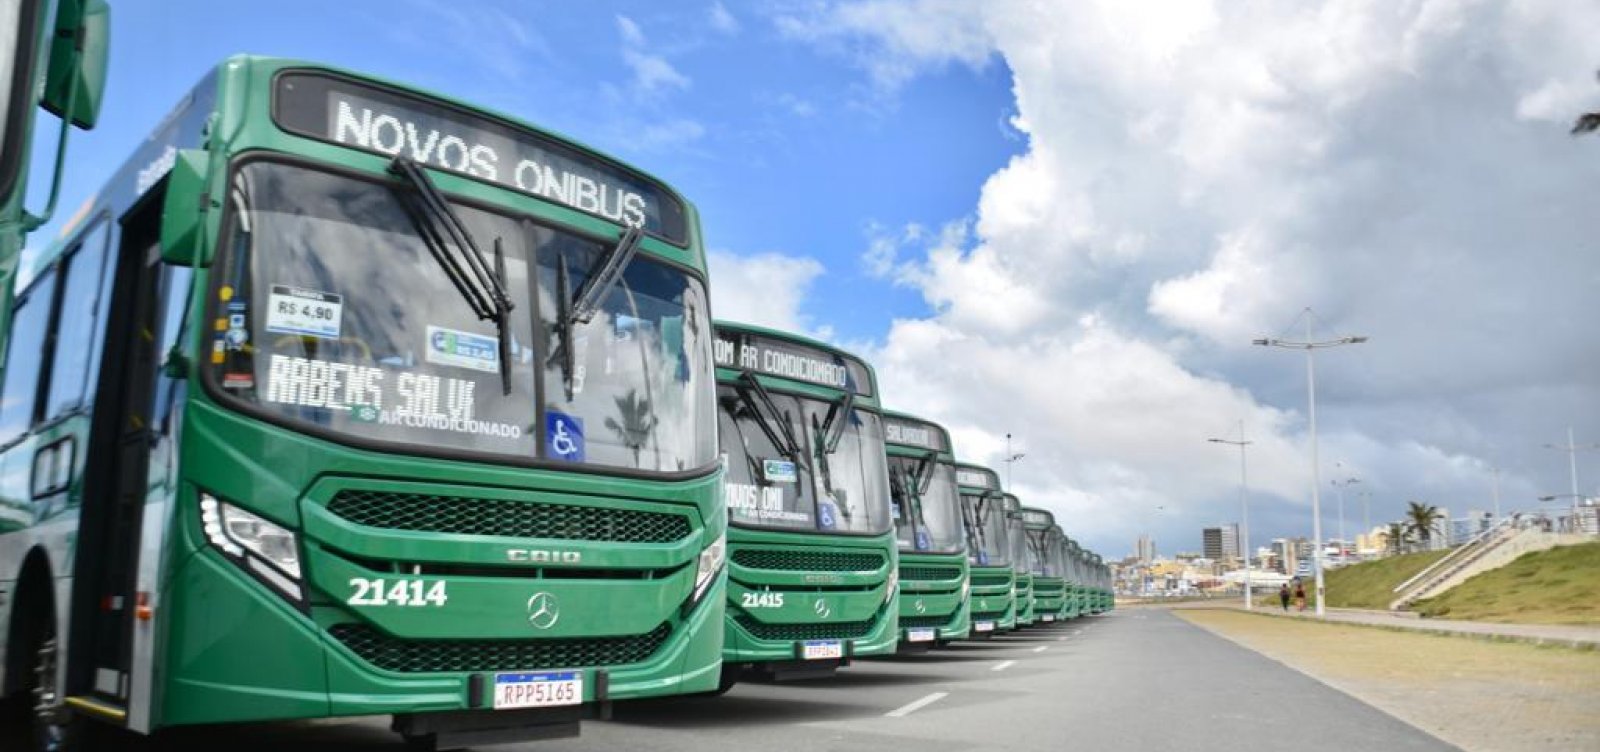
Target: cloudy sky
x=1066, y=221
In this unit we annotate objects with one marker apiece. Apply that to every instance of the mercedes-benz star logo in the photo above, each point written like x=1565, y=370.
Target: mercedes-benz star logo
x=543, y=610
x=921, y=607
x=822, y=609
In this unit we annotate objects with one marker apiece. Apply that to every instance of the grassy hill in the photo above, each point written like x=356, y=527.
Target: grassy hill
x=1371, y=584
x=1556, y=586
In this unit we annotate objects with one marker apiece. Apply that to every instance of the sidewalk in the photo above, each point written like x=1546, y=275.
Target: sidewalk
x=1580, y=638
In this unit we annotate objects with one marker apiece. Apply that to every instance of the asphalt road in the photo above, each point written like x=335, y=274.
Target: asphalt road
x=1135, y=679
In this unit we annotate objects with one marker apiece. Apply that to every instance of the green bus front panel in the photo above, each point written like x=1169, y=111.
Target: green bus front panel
x=933, y=597
x=1025, y=604
x=1049, y=598
x=787, y=589
x=993, y=600
x=458, y=591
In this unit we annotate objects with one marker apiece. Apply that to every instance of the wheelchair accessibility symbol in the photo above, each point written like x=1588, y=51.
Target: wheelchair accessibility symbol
x=563, y=436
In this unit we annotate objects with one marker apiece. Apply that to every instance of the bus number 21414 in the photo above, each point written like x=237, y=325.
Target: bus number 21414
x=414, y=593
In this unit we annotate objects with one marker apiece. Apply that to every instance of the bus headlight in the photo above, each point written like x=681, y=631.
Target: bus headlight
x=894, y=582
x=710, y=564
x=266, y=549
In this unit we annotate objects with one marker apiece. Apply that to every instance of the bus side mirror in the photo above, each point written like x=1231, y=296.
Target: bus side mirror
x=76, y=78
x=183, y=211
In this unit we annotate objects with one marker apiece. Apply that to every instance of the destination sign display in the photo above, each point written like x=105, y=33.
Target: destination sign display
x=976, y=479
x=775, y=357
x=914, y=433
x=365, y=117
x=1036, y=517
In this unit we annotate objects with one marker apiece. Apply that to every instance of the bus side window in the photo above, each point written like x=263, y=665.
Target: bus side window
x=25, y=358
x=84, y=298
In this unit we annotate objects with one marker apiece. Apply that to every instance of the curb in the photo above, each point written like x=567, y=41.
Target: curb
x=1549, y=642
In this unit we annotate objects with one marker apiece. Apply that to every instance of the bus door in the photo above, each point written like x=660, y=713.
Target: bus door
x=132, y=424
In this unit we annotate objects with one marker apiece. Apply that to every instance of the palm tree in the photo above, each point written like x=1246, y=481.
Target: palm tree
x=638, y=422
x=1396, y=537
x=1588, y=122
x=1423, y=521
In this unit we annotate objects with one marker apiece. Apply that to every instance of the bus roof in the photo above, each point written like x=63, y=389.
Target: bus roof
x=180, y=128
x=721, y=326
x=940, y=443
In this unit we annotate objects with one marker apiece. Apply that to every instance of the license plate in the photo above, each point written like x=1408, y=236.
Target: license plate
x=537, y=690
x=983, y=626
x=816, y=650
x=920, y=635
x=1049, y=617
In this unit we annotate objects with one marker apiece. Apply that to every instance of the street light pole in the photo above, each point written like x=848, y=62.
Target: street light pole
x=1244, y=509
x=1311, y=346
x=1010, y=460
x=1341, y=485
x=1571, y=448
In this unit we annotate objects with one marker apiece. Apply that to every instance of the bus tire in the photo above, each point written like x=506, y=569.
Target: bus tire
x=50, y=727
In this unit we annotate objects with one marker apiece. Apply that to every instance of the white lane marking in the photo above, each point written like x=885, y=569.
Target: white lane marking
x=913, y=707
x=1041, y=648
x=1003, y=665
x=1062, y=638
x=1077, y=632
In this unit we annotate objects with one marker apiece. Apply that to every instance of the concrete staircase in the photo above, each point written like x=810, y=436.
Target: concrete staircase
x=1490, y=549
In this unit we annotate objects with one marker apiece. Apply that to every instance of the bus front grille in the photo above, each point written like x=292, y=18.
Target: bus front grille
x=506, y=517
x=925, y=622
x=807, y=561
x=929, y=573
x=990, y=580
x=794, y=632
x=441, y=656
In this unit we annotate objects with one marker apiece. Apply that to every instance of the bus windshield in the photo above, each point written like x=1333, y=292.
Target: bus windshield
x=1017, y=537
x=334, y=314
x=927, y=512
x=985, y=516
x=782, y=474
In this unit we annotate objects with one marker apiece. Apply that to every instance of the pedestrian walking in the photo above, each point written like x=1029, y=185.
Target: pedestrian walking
x=1300, y=596
x=1283, y=596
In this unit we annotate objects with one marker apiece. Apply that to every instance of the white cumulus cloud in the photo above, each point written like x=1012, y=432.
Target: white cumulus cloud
x=1195, y=174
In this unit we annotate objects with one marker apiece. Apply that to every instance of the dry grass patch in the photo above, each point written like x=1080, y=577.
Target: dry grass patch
x=1476, y=694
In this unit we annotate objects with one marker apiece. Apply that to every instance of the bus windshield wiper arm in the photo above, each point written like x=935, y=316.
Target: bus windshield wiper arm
x=757, y=397
x=605, y=275
x=827, y=433
x=450, y=244
x=580, y=308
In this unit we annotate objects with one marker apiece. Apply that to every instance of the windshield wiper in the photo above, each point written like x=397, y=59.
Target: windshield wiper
x=826, y=436
x=580, y=308
x=782, y=437
x=450, y=244
x=912, y=488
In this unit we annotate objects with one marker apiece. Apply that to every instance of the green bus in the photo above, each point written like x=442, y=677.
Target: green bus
x=1102, y=598
x=926, y=507
x=983, y=516
x=811, y=547
x=1072, y=559
x=342, y=398
x=1044, y=541
x=53, y=55
x=1022, y=561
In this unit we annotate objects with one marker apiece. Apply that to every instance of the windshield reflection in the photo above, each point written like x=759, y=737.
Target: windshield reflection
x=926, y=509
x=766, y=487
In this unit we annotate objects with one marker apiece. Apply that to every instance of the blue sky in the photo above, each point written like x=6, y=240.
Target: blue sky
x=783, y=147
x=1066, y=221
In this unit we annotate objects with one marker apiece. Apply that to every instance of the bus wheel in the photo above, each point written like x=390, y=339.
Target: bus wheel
x=53, y=730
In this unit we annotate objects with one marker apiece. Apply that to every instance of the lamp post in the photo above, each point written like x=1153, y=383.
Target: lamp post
x=1342, y=485
x=1244, y=509
x=1011, y=459
x=1311, y=346
x=1571, y=448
